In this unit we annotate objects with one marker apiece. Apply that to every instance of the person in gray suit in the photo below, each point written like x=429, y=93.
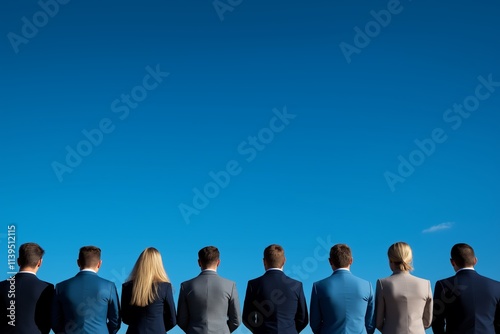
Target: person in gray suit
x=403, y=301
x=208, y=303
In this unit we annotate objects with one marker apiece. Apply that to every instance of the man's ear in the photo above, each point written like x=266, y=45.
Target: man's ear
x=218, y=262
x=78, y=263
x=39, y=263
x=475, y=261
x=99, y=264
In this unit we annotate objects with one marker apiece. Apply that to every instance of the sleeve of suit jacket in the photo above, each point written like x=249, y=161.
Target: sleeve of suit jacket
x=169, y=317
x=370, y=313
x=427, y=316
x=379, y=306
x=316, y=317
x=439, y=313
x=301, y=316
x=43, y=311
x=182, y=310
x=234, y=313
x=57, y=317
x=114, y=320
x=249, y=313
x=497, y=319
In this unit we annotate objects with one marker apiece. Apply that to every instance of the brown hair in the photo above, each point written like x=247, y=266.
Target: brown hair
x=340, y=256
x=89, y=256
x=274, y=255
x=29, y=254
x=208, y=256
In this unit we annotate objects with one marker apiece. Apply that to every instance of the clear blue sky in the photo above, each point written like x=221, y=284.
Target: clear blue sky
x=179, y=91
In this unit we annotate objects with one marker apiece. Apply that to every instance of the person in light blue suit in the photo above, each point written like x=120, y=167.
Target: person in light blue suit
x=86, y=303
x=342, y=303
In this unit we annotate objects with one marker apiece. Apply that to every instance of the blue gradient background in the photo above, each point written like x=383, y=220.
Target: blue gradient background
x=320, y=181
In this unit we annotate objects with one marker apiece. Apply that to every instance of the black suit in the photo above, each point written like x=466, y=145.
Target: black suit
x=467, y=303
x=33, y=301
x=157, y=317
x=275, y=303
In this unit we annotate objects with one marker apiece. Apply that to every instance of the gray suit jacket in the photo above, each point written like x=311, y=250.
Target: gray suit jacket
x=208, y=304
x=403, y=304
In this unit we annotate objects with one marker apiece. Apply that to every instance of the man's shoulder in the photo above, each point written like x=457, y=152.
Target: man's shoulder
x=224, y=280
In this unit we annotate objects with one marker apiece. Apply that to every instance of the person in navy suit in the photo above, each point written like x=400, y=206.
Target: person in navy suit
x=26, y=301
x=147, y=302
x=342, y=303
x=86, y=303
x=274, y=302
x=467, y=302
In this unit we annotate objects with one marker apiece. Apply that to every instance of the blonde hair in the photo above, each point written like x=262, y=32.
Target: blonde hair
x=401, y=255
x=148, y=271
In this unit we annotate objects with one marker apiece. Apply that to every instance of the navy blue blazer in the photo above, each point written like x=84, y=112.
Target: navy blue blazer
x=275, y=303
x=33, y=301
x=157, y=317
x=466, y=303
x=86, y=304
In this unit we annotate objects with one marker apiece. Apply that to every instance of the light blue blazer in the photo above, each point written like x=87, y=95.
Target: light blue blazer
x=342, y=303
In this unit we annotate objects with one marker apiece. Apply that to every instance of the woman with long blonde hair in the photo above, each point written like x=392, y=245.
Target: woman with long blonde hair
x=403, y=301
x=147, y=300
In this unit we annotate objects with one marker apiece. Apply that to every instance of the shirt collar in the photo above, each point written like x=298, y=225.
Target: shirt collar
x=91, y=270
x=341, y=269
x=280, y=269
x=461, y=269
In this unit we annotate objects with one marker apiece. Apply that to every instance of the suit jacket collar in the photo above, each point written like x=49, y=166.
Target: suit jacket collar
x=466, y=273
x=26, y=275
x=274, y=272
x=342, y=272
x=86, y=272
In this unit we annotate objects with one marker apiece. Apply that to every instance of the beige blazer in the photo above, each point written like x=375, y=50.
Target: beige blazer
x=403, y=304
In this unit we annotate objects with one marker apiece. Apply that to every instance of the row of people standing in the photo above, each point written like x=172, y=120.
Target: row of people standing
x=274, y=303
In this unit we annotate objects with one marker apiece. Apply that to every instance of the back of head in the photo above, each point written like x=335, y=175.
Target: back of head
x=463, y=255
x=29, y=255
x=208, y=256
x=147, y=272
x=401, y=255
x=274, y=256
x=89, y=256
x=340, y=256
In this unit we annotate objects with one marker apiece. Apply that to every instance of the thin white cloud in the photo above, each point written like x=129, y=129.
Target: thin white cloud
x=439, y=227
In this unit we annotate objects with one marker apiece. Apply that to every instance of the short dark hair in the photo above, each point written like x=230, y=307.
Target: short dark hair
x=274, y=255
x=29, y=254
x=208, y=256
x=89, y=256
x=340, y=255
x=463, y=255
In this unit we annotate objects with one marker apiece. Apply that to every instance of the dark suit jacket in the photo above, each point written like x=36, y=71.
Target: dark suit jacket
x=86, y=304
x=467, y=303
x=33, y=300
x=275, y=303
x=157, y=317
